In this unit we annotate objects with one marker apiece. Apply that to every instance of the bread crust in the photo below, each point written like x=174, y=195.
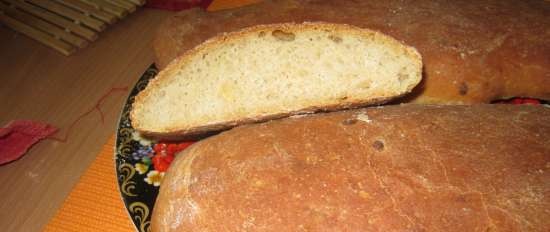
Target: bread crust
x=391, y=168
x=163, y=78
x=473, y=52
x=203, y=131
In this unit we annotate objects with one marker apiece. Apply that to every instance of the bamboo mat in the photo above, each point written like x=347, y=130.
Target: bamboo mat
x=64, y=25
x=68, y=25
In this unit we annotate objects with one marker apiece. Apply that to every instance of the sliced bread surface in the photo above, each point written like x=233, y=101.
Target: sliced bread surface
x=271, y=71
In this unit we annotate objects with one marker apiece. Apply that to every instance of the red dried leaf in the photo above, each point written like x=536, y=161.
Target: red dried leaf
x=18, y=136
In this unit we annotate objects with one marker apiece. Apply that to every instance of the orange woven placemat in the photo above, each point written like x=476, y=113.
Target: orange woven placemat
x=95, y=203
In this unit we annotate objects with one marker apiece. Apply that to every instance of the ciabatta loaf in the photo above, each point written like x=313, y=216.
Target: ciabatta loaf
x=393, y=168
x=270, y=71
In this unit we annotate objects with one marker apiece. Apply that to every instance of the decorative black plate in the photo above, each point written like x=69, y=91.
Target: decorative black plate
x=139, y=173
x=138, y=180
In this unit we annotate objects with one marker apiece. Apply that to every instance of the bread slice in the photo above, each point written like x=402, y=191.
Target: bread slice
x=271, y=71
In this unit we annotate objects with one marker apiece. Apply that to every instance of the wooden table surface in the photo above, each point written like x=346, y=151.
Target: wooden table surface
x=38, y=83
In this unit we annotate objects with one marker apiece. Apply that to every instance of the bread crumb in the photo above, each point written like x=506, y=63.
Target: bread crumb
x=363, y=117
x=349, y=121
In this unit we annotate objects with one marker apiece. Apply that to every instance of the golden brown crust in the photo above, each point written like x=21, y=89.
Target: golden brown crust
x=473, y=52
x=164, y=77
x=392, y=168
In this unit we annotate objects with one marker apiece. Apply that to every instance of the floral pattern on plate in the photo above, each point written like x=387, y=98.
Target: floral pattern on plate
x=141, y=163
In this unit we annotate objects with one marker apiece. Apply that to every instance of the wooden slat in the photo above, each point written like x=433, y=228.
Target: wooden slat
x=70, y=13
x=44, y=26
x=130, y=7
x=90, y=10
x=38, y=35
x=64, y=24
x=55, y=19
x=109, y=7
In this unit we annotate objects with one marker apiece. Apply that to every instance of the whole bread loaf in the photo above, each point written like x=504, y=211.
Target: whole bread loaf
x=393, y=168
x=473, y=51
x=271, y=71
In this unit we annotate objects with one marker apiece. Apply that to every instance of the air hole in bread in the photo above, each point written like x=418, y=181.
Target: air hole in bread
x=378, y=145
x=366, y=84
x=318, y=54
x=334, y=38
x=161, y=93
x=261, y=34
x=463, y=89
x=401, y=77
x=283, y=36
